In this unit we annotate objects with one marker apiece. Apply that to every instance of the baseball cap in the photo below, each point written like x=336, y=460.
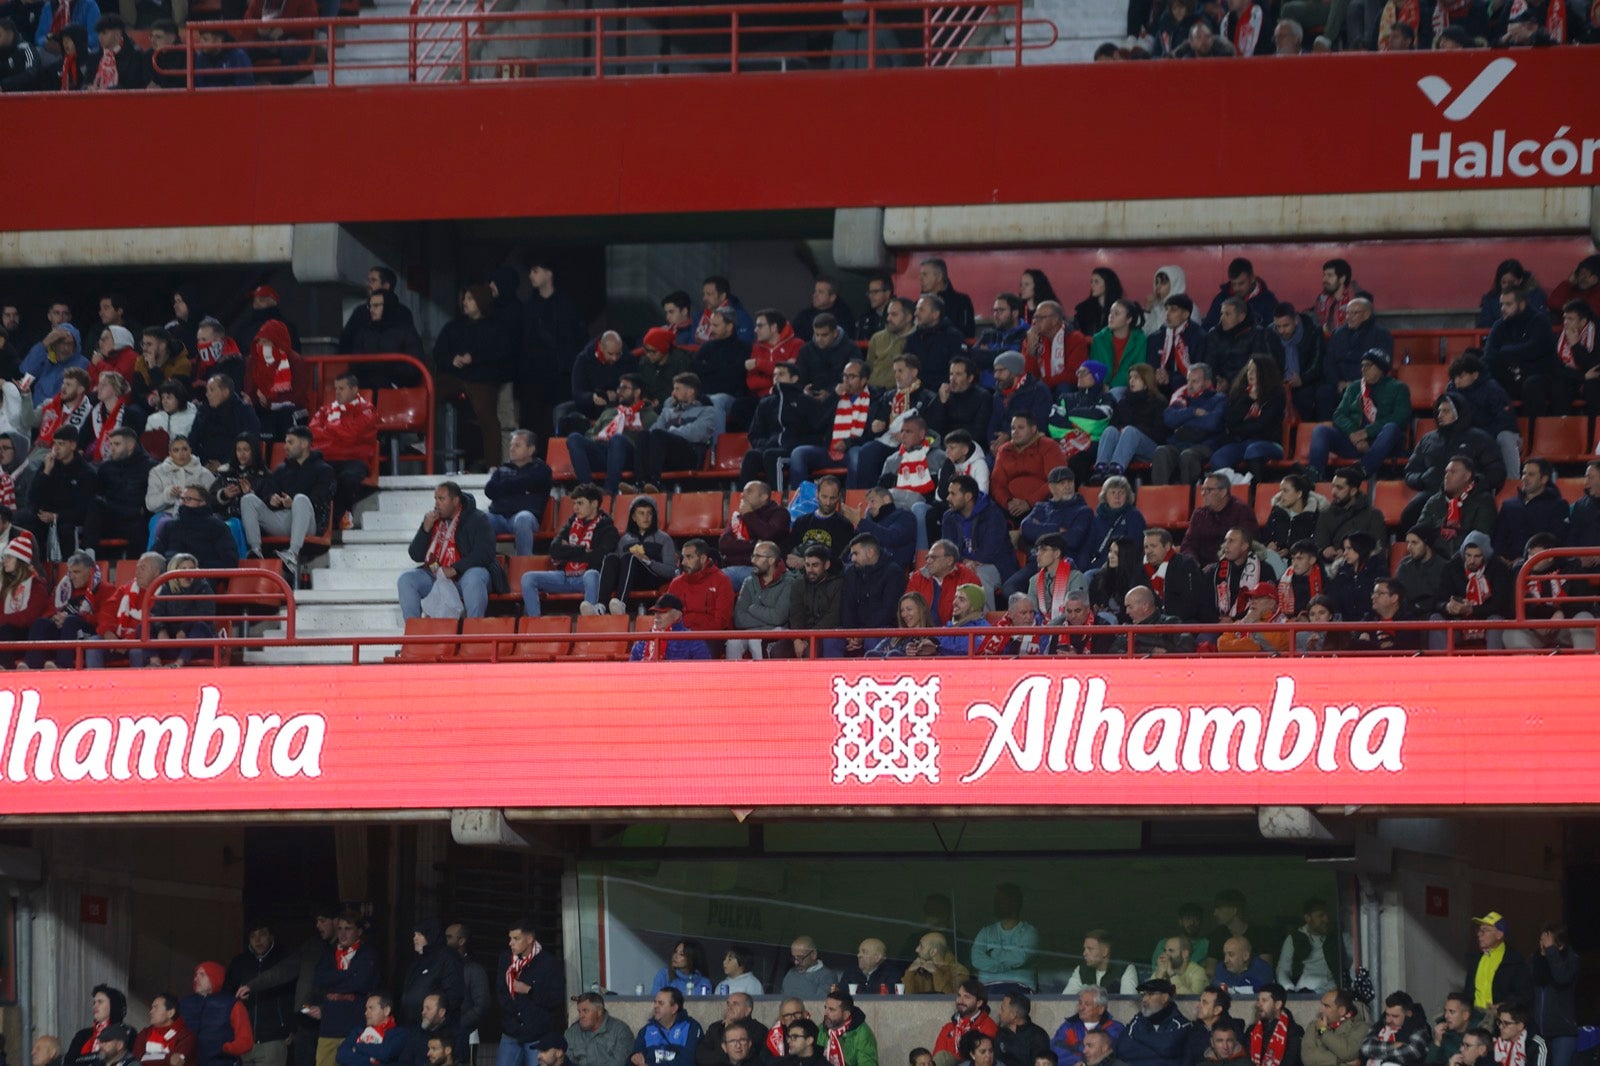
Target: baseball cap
x=667, y=602
x=1158, y=984
x=1494, y=918
x=551, y=1043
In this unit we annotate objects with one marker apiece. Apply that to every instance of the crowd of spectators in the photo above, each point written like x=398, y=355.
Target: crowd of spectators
x=326, y=1003
x=1204, y=29
x=149, y=444
x=970, y=464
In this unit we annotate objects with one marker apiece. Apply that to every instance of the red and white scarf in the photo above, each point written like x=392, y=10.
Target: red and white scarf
x=105, y=423
x=54, y=416
x=1032, y=644
x=1330, y=308
x=1175, y=351
x=58, y=22
x=8, y=491
x=736, y=525
x=580, y=534
x=1369, y=406
x=1555, y=24
x=343, y=957
x=626, y=420
x=702, y=333
x=849, y=420
x=1448, y=12
x=1053, y=364
x=1386, y=1035
x=1158, y=573
x=1564, y=345
x=1477, y=594
x=105, y=75
x=215, y=352
x=1452, y=513
x=374, y=1034
x=518, y=963
x=1246, y=29
x=900, y=403
x=128, y=614
x=1275, y=1045
x=775, y=1041
x=835, y=1053
x=93, y=1043
x=74, y=600
x=1249, y=577
x=442, y=550
x=1286, y=602
x=1545, y=586
x=282, y=375
x=1052, y=606
x=911, y=473
x=1513, y=1052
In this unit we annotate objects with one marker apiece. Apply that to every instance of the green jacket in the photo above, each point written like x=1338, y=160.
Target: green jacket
x=859, y=1044
x=1102, y=350
x=1450, y=1043
x=1334, y=1047
x=1393, y=400
x=647, y=418
x=658, y=376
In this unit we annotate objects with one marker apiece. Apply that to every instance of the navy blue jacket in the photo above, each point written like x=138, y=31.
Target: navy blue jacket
x=1072, y=518
x=208, y=1017
x=1199, y=421
x=870, y=596
x=1491, y=406
x=669, y=1046
x=1522, y=342
x=935, y=346
x=983, y=537
x=216, y=428
x=1347, y=346
x=1520, y=519
x=896, y=530
x=513, y=488
x=1032, y=396
x=353, y=985
x=1261, y=305
x=1158, y=1039
x=525, y=1017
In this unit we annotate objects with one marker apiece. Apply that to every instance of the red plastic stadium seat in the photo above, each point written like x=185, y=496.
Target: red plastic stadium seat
x=1390, y=498
x=1427, y=382
x=1166, y=506
x=560, y=460
x=269, y=593
x=543, y=650
x=696, y=514
x=427, y=653
x=731, y=449
x=486, y=626
x=155, y=442
x=600, y=650
x=1571, y=488
x=1302, y=441
x=1563, y=439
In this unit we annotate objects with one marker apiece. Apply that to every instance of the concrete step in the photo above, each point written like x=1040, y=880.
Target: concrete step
x=429, y=482
x=370, y=557
x=348, y=579
x=404, y=501
x=327, y=655
x=400, y=534
x=347, y=619
x=387, y=521
x=373, y=590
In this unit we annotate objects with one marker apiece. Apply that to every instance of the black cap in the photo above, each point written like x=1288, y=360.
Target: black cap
x=1158, y=984
x=667, y=602
x=118, y=1031
x=551, y=1043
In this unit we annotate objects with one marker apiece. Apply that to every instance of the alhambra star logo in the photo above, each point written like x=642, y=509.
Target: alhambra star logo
x=886, y=730
x=1436, y=89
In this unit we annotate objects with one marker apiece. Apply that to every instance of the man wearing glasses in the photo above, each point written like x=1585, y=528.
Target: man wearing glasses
x=1515, y=1046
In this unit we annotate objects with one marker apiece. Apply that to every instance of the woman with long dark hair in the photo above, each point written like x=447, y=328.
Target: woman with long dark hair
x=1105, y=289
x=1035, y=289
x=1253, y=421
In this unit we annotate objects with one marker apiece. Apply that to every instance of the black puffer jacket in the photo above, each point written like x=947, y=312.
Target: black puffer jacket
x=1425, y=468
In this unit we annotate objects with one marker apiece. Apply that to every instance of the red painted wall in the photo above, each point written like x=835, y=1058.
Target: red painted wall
x=643, y=145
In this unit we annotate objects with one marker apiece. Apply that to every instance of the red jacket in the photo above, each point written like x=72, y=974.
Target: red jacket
x=36, y=606
x=1024, y=472
x=112, y=622
x=277, y=382
x=945, y=601
x=767, y=356
x=707, y=597
x=1074, y=350
x=123, y=360
x=156, y=1047
x=954, y=1029
x=346, y=431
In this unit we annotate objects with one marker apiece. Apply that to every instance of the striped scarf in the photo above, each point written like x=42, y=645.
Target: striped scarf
x=442, y=550
x=1555, y=17
x=1051, y=599
x=849, y=420
x=912, y=471
x=1175, y=351
x=1330, y=306
x=626, y=420
x=581, y=534
x=1286, y=603
x=1477, y=594
x=1564, y=345
x=1369, y=406
x=1249, y=577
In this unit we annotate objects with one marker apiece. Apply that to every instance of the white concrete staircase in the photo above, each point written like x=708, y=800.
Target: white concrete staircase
x=369, y=45
x=352, y=589
x=1081, y=25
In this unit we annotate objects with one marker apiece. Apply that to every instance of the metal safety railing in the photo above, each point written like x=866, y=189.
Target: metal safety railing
x=442, y=38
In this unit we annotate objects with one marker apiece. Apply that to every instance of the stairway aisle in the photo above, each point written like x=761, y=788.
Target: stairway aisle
x=352, y=589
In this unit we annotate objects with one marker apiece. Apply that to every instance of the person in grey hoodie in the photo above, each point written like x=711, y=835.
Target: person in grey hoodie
x=681, y=434
x=764, y=599
x=645, y=559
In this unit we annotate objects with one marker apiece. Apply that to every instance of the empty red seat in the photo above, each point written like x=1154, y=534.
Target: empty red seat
x=696, y=514
x=1166, y=506
x=427, y=653
x=487, y=649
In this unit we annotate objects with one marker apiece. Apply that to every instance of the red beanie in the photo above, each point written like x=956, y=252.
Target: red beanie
x=213, y=971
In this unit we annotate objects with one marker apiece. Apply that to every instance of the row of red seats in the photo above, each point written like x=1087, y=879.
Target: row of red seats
x=513, y=650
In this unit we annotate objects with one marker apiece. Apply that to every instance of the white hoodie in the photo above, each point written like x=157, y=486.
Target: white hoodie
x=1155, y=318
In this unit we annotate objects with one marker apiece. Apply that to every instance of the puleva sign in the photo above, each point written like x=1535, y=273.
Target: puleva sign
x=1108, y=732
